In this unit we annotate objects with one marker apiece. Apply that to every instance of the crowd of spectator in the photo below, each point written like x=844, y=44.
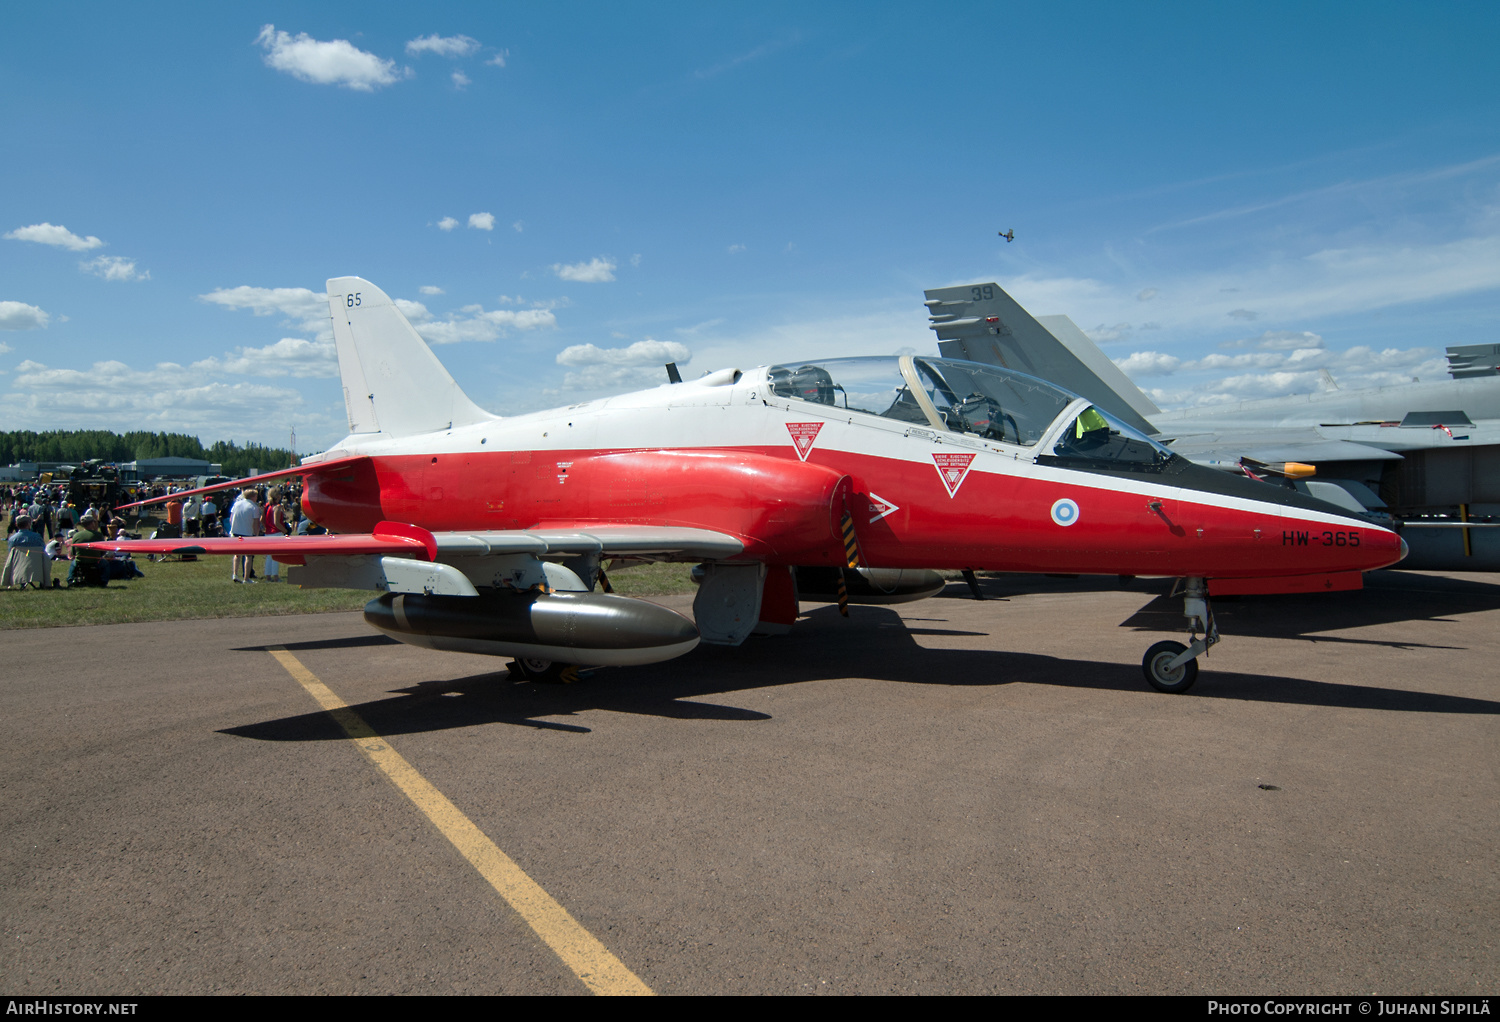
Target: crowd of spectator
x=42, y=526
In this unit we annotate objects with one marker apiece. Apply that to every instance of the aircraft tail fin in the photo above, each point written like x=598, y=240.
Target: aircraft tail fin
x=981, y=323
x=393, y=383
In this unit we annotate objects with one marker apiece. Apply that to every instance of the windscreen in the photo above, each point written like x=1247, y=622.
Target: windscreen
x=1098, y=439
x=986, y=401
x=874, y=386
x=991, y=402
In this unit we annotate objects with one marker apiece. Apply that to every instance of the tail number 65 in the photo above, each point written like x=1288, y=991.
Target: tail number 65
x=352, y=300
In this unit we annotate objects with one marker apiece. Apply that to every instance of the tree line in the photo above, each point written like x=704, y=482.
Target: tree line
x=78, y=445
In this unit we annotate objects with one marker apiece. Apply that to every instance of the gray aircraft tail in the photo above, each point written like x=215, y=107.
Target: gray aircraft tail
x=981, y=323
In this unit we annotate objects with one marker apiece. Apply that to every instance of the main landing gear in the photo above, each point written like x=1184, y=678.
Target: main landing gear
x=1172, y=667
x=546, y=671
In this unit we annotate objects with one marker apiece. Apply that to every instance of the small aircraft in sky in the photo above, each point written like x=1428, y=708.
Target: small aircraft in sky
x=851, y=477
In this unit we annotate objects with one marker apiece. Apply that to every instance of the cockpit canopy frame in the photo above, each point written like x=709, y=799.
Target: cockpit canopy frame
x=946, y=395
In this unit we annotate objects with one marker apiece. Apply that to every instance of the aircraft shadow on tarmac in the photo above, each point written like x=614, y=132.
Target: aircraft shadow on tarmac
x=1388, y=597
x=874, y=644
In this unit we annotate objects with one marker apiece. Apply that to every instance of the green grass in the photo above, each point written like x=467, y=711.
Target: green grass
x=183, y=590
x=652, y=580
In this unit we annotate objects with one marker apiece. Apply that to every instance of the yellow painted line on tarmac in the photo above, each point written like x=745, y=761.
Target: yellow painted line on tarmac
x=590, y=960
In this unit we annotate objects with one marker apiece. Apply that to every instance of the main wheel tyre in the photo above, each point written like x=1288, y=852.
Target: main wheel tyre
x=1178, y=679
x=535, y=669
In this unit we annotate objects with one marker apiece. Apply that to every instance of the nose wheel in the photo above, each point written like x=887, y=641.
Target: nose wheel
x=1172, y=667
x=1166, y=678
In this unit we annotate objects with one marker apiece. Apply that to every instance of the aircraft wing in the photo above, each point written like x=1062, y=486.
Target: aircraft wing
x=239, y=484
x=1271, y=445
x=398, y=538
x=611, y=540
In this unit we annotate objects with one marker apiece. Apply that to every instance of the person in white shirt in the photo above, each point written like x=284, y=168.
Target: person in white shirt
x=244, y=520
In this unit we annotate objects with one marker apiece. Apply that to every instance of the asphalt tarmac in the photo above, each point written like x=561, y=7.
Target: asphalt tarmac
x=945, y=797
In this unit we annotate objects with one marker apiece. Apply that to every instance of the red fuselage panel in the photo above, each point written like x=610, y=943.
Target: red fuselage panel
x=907, y=514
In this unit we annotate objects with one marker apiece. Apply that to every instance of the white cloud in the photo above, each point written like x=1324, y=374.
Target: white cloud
x=482, y=221
x=595, y=271
x=736, y=248
x=647, y=352
x=335, y=62
x=290, y=356
x=114, y=268
x=1148, y=363
x=519, y=226
x=20, y=316
x=635, y=260
x=639, y=365
x=618, y=379
x=1283, y=373
x=1277, y=340
x=447, y=223
x=1246, y=314
x=1103, y=334
x=1323, y=283
x=856, y=330
x=413, y=311
x=473, y=323
x=428, y=289
x=460, y=80
x=165, y=397
x=498, y=60
x=309, y=309
x=1147, y=295
x=442, y=46
x=55, y=234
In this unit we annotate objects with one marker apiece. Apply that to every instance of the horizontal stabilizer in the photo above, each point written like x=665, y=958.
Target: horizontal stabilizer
x=306, y=469
x=387, y=538
x=396, y=537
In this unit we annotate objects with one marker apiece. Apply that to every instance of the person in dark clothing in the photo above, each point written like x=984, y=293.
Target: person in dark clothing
x=85, y=569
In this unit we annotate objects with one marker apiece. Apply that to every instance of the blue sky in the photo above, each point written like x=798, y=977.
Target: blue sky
x=1229, y=198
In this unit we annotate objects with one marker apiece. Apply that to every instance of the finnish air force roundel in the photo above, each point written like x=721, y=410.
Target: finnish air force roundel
x=1064, y=512
x=803, y=435
x=953, y=469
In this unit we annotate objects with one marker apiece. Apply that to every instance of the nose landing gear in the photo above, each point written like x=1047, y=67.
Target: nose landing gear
x=1172, y=667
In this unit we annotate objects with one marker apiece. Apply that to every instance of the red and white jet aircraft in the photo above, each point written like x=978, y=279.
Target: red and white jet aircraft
x=485, y=533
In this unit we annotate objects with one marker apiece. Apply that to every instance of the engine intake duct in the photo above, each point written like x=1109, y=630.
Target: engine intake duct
x=576, y=628
x=870, y=585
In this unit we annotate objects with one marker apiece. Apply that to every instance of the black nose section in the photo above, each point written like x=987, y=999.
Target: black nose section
x=1213, y=481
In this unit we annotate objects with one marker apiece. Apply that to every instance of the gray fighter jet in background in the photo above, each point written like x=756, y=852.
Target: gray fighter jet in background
x=1424, y=456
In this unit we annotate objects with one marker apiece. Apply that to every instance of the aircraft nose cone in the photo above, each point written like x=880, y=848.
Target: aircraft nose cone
x=1404, y=550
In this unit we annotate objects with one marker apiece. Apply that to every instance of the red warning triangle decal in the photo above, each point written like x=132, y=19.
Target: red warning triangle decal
x=953, y=469
x=803, y=435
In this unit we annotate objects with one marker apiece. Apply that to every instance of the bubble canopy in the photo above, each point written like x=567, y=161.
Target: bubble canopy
x=965, y=397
